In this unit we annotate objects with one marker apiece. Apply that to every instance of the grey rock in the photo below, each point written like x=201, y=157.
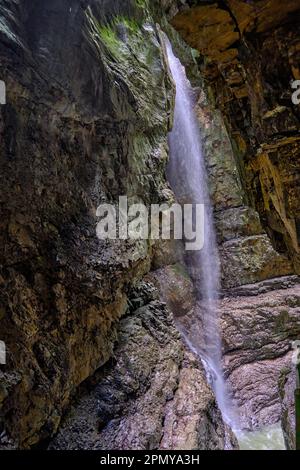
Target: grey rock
x=154, y=395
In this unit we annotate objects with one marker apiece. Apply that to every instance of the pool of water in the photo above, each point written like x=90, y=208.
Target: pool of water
x=268, y=438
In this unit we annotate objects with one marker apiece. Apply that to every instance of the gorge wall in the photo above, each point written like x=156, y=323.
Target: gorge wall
x=249, y=55
x=86, y=120
x=89, y=107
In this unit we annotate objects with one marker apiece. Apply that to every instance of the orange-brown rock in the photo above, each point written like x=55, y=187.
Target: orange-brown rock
x=249, y=56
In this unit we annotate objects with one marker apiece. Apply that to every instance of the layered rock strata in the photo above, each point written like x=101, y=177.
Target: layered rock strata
x=249, y=55
x=258, y=326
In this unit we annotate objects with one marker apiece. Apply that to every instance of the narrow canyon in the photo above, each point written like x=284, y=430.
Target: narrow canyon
x=139, y=344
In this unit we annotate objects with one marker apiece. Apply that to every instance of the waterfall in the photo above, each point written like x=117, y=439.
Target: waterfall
x=187, y=176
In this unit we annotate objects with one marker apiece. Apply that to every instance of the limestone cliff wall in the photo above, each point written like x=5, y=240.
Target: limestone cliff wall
x=86, y=120
x=249, y=55
x=245, y=245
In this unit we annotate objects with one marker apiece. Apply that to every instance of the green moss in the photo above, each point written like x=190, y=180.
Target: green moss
x=108, y=36
x=131, y=24
x=102, y=34
x=108, y=33
x=131, y=54
x=195, y=54
x=141, y=3
x=181, y=270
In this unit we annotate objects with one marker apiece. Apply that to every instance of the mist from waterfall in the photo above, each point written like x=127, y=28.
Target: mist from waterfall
x=187, y=176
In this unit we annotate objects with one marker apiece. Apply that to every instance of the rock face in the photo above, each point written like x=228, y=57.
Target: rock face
x=257, y=336
x=236, y=40
x=287, y=386
x=246, y=252
x=258, y=324
x=153, y=395
x=249, y=54
x=89, y=105
x=86, y=120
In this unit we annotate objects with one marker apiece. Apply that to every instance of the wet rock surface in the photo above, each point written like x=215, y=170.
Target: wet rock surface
x=261, y=327
x=153, y=395
x=287, y=386
x=89, y=108
x=249, y=54
x=259, y=322
x=257, y=338
x=86, y=121
x=246, y=251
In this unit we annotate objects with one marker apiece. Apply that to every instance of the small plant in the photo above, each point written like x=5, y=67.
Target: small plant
x=108, y=33
x=131, y=25
x=108, y=36
x=141, y=3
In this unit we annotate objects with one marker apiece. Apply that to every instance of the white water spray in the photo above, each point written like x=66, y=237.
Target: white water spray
x=187, y=176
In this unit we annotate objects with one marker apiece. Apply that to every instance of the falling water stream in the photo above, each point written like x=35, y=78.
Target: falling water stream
x=188, y=178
